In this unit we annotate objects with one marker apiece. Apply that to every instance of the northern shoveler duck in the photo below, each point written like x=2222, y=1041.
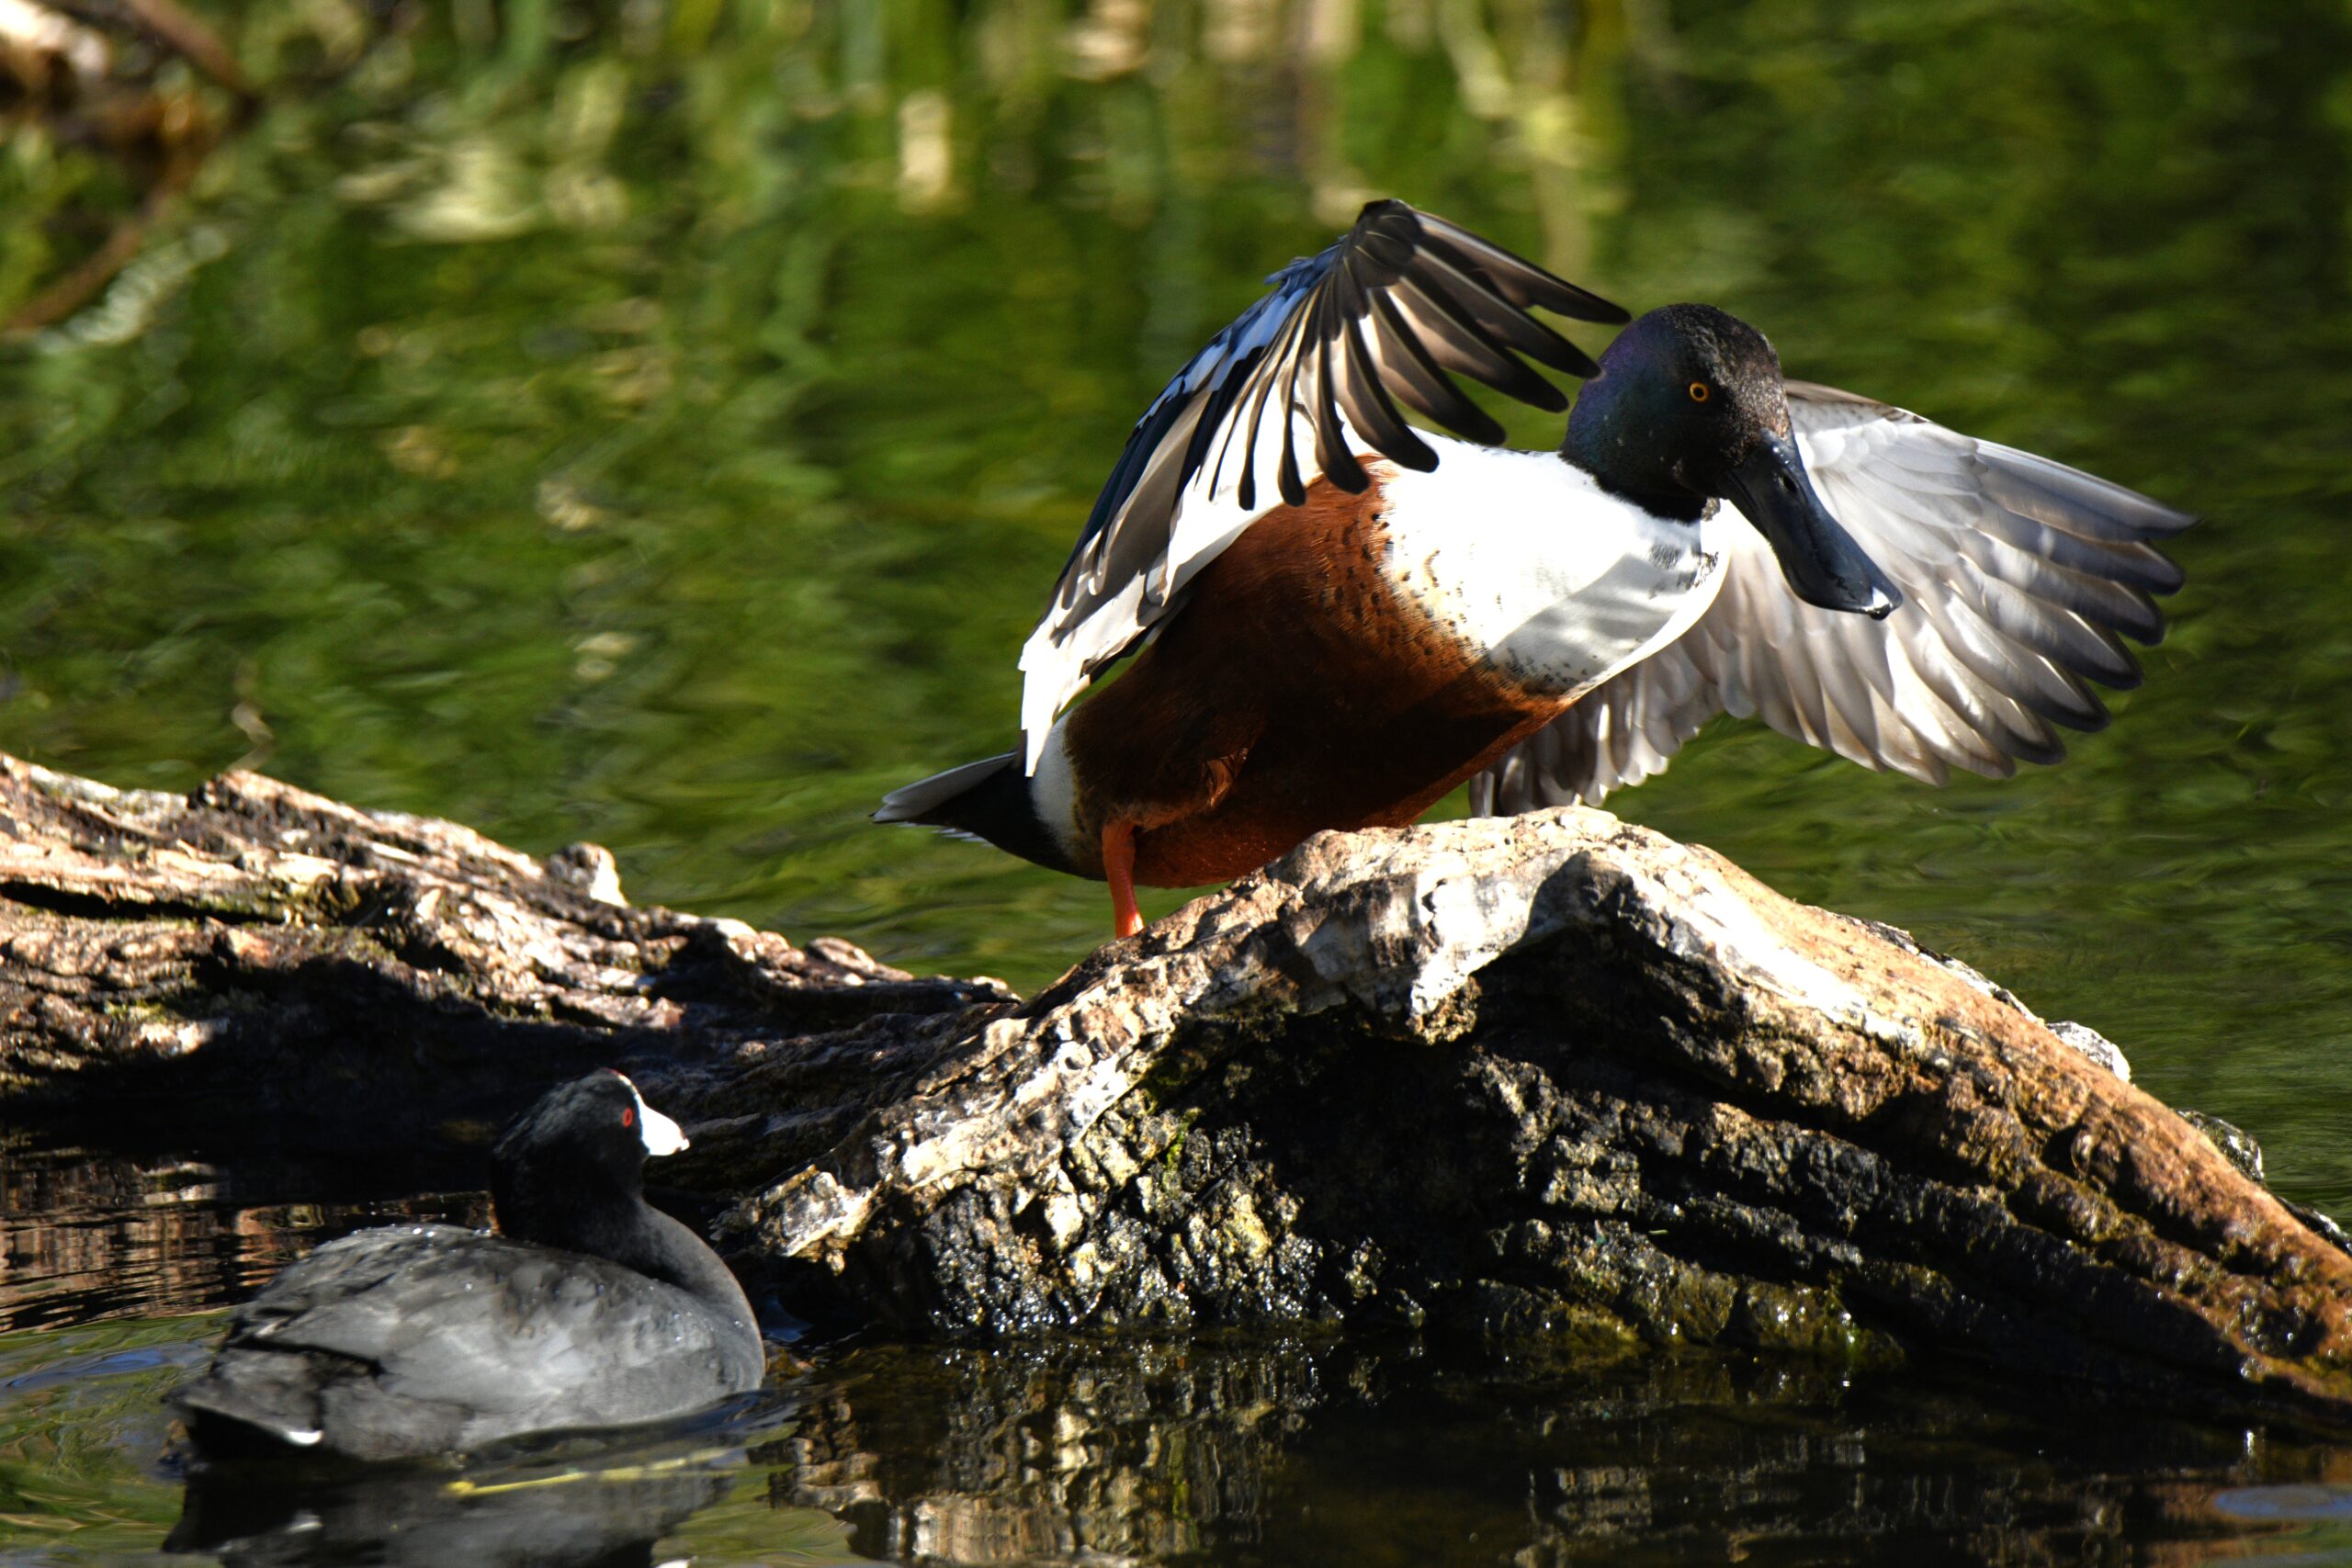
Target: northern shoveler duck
x=1406, y=612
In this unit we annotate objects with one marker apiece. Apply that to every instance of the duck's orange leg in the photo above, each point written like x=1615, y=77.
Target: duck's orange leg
x=1119, y=867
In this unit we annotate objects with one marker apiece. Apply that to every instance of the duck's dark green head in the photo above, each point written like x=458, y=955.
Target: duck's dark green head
x=1689, y=407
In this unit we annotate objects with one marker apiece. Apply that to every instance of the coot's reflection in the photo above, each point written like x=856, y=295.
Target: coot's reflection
x=573, y=1502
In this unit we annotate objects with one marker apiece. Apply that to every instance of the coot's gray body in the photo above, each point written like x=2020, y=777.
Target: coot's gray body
x=431, y=1339
x=423, y=1340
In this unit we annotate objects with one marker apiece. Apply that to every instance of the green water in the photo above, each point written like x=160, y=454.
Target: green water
x=1276, y=1453
x=81, y=1424
x=659, y=421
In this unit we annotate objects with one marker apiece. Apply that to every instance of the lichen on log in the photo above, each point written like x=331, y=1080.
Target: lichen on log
x=1550, y=1079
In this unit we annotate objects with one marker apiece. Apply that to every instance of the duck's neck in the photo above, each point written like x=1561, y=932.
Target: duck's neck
x=1609, y=438
x=595, y=1213
x=661, y=1248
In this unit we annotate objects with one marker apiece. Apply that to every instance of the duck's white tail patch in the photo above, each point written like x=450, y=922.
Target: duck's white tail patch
x=1052, y=792
x=302, y=1437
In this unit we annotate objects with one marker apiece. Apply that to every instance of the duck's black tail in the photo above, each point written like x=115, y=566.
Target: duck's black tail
x=989, y=800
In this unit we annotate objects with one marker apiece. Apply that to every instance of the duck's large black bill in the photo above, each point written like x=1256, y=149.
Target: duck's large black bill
x=1820, y=559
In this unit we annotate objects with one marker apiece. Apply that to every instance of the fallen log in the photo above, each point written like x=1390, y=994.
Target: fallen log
x=253, y=965
x=1548, y=1079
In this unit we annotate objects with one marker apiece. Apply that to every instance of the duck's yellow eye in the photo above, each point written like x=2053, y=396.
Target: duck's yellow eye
x=1699, y=393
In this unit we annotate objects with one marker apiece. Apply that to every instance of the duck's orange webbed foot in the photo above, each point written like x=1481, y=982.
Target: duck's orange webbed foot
x=1119, y=867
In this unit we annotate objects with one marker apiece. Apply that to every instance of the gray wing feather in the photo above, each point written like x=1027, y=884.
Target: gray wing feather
x=2022, y=577
x=1298, y=385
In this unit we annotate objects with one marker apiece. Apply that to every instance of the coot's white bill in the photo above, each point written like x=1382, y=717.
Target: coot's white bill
x=661, y=1136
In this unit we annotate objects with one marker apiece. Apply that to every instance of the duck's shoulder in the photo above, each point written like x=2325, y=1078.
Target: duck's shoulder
x=1533, y=567
x=1493, y=483
x=1521, y=526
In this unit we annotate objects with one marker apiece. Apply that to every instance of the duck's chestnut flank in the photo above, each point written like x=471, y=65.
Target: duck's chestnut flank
x=1217, y=776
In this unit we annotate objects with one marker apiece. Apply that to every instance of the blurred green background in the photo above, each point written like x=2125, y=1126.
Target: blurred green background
x=659, y=421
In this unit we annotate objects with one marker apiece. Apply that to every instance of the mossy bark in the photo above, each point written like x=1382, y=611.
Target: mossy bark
x=1553, y=1078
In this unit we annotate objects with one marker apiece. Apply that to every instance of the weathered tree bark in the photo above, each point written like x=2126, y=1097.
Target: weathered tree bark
x=1554, y=1077
x=256, y=963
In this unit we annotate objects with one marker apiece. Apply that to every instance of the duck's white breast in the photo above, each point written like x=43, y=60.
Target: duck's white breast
x=1537, y=570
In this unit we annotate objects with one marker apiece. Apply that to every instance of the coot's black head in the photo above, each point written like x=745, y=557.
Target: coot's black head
x=1690, y=408
x=571, y=1169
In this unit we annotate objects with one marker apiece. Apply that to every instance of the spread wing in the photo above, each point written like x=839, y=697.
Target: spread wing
x=2022, y=578
x=1304, y=380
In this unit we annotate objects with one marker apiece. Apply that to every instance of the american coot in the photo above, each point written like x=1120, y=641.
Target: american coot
x=1334, y=620
x=592, y=1309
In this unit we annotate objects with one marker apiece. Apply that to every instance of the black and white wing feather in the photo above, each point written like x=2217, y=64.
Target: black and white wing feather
x=2022, y=578
x=1305, y=380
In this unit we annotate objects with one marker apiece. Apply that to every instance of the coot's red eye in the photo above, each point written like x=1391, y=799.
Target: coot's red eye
x=629, y=1115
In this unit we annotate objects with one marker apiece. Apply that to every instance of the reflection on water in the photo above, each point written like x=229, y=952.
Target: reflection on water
x=1232, y=1452
x=86, y=1236
x=87, y=1478
x=2332, y=1503
x=603, y=1502
x=1027, y=1453
x=655, y=421
x=578, y=1518
x=1297, y=1451
x=1350, y=1454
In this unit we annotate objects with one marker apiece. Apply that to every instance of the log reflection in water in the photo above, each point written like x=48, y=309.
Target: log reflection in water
x=1310, y=1451
x=86, y=1236
x=1049, y=1453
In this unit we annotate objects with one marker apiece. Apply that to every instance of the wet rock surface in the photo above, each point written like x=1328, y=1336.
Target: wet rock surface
x=1550, y=1080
